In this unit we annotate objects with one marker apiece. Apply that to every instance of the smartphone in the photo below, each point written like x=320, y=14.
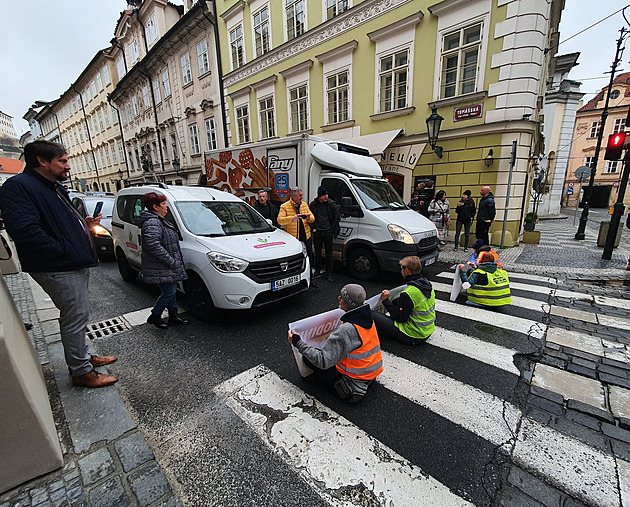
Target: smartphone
x=303, y=217
x=97, y=209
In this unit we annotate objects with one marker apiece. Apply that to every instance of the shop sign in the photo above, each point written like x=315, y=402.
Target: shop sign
x=468, y=112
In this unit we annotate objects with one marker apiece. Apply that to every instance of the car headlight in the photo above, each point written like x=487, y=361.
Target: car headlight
x=99, y=230
x=400, y=234
x=304, y=251
x=227, y=263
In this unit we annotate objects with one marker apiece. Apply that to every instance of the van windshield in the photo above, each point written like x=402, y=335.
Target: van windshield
x=214, y=218
x=378, y=195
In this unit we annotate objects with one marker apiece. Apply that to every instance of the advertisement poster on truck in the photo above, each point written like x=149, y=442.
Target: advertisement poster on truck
x=244, y=171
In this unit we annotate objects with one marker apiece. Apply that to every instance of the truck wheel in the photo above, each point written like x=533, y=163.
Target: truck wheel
x=126, y=271
x=198, y=298
x=362, y=264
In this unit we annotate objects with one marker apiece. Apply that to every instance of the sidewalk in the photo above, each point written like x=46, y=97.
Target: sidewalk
x=107, y=461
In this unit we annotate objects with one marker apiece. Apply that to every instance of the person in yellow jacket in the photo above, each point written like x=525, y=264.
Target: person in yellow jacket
x=295, y=216
x=411, y=317
x=488, y=286
x=351, y=357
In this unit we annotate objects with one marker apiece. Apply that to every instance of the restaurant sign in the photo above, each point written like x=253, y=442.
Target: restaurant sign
x=468, y=112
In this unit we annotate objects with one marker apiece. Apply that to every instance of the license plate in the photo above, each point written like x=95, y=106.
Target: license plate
x=429, y=261
x=285, y=282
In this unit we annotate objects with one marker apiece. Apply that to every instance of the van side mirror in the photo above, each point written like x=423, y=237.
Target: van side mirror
x=348, y=209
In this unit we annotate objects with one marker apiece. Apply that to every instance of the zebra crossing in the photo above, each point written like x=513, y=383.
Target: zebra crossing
x=456, y=405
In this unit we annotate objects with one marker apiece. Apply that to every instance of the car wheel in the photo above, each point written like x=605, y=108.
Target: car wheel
x=198, y=298
x=362, y=264
x=126, y=271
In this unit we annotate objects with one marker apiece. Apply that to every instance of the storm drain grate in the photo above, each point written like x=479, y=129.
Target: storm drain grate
x=107, y=328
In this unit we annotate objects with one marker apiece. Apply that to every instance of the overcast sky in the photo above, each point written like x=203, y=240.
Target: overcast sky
x=46, y=45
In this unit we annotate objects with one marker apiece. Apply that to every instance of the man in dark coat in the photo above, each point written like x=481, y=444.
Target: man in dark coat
x=55, y=247
x=485, y=215
x=325, y=228
x=266, y=208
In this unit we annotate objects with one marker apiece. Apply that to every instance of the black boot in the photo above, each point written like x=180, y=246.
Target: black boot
x=175, y=320
x=157, y=321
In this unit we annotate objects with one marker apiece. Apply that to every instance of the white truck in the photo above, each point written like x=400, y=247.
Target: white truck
x=377, y=228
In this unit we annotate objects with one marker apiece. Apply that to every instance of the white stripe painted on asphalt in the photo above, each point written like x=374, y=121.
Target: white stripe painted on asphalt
x=512, y=275
x=485, y=352
x=481, y=413
x=528, y=304
x=492, y=318
x=329, y=452
x=617, y=303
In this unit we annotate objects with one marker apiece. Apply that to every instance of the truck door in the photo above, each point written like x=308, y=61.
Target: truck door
x=338, y=188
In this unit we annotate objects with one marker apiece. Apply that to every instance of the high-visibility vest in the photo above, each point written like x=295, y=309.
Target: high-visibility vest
x=496, y=293
x=364, y=363
x=421, y=322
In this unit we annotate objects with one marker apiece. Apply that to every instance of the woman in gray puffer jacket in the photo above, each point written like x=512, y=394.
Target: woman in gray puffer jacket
x=162, y=261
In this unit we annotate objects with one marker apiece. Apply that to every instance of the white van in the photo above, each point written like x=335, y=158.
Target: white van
x=233, y=257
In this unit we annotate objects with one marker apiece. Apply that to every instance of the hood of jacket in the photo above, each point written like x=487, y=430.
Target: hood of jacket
x=488, y=267
x=361, y=316
x=420, y=282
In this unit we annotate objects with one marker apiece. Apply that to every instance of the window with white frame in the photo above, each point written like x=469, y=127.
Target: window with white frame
x=236, y=47
x=145, y=97
x=337, y=86
x=130, y=158
x=133, y=51
x=123, y=115
x=150, y=31
x=100, y=121
x=294, y=12
x=611, y=166
x=93, y=88
x=74, y=106
x=88, y=94
x=99, y=82
x=156, y=91
x=186, y=73
x=267, y=118
x=112, y=149
x=106, y=115
x=393, y=81
x=120, y=67
x=129, y=111
x=102, y=157
x=121, y=152
x=174, y=145
x=164, y=150
x=134, y=104
x=261, y=31
x=620, y=125
x=211, y=134
x=114, y=115
x=298, y=107
x=80, y=133
x=106, y=77
x=242, y=124
x=595, y=128
x=166, y=83
x=588, y=161
x=335, y=7
x=202, y=57
x=460, y=61
x=107, y=157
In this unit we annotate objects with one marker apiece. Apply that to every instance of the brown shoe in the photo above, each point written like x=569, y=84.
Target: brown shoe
x=102, y=360
x=94, y=379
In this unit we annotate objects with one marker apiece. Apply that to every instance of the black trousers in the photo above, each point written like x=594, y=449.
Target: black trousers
x=482, y=231
x=386, y=329
x=324, y=238
x=458, y=230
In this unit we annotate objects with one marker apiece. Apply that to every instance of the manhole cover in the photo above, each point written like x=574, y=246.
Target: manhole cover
x=107, y=327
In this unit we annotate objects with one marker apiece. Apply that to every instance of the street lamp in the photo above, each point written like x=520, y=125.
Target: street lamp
x=176, y=165
x=433, y=129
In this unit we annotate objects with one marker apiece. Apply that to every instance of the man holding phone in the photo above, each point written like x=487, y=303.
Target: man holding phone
x=55, y=247
x=294, y=216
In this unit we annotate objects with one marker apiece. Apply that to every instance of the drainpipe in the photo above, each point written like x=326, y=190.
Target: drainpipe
x=220, y=67
x=122, y=134
x=89, y=136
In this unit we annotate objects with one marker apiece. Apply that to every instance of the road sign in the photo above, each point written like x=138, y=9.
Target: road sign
x=582, y=173
x=571, y=185
x=570, y=191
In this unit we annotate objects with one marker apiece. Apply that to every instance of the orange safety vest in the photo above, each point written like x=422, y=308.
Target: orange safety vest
x=364, y=363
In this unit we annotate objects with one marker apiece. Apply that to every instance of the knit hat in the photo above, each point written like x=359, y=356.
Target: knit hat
x=467, y=192
x=353, y=294
x=477, y=244
x=321, y=191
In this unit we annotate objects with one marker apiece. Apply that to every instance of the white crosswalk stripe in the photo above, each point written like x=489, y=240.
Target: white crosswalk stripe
x=346, y=465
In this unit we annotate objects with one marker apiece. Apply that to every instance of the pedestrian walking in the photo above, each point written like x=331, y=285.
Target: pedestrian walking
x=465, y=213
x=351, y=357
x=55, y=247
x=485, y=215
x=440, y=214
x=325, y=229
x=161, y=261
x=294, y=216
x=266, y=208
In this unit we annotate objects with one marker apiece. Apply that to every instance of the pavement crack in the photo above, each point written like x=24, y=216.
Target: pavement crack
x=272, y=415
x=356, y=494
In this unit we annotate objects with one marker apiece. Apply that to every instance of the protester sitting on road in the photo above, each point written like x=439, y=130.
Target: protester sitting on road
x=488, y=285
x=162, y=261
x=351, y=357
x=479, y=247
x=412, y=315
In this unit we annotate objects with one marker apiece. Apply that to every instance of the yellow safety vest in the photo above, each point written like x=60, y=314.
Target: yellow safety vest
x=421, y=322
x=496, y=293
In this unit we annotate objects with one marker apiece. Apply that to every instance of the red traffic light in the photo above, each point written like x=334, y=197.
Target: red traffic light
x=615, y=146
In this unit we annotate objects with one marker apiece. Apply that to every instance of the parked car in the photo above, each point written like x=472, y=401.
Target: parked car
x=101, y=234
x=234, y=258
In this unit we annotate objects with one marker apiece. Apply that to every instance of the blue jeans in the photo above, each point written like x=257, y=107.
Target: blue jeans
x=167, y=299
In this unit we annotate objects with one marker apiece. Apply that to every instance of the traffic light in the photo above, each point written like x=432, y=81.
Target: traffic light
x=615, y=146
